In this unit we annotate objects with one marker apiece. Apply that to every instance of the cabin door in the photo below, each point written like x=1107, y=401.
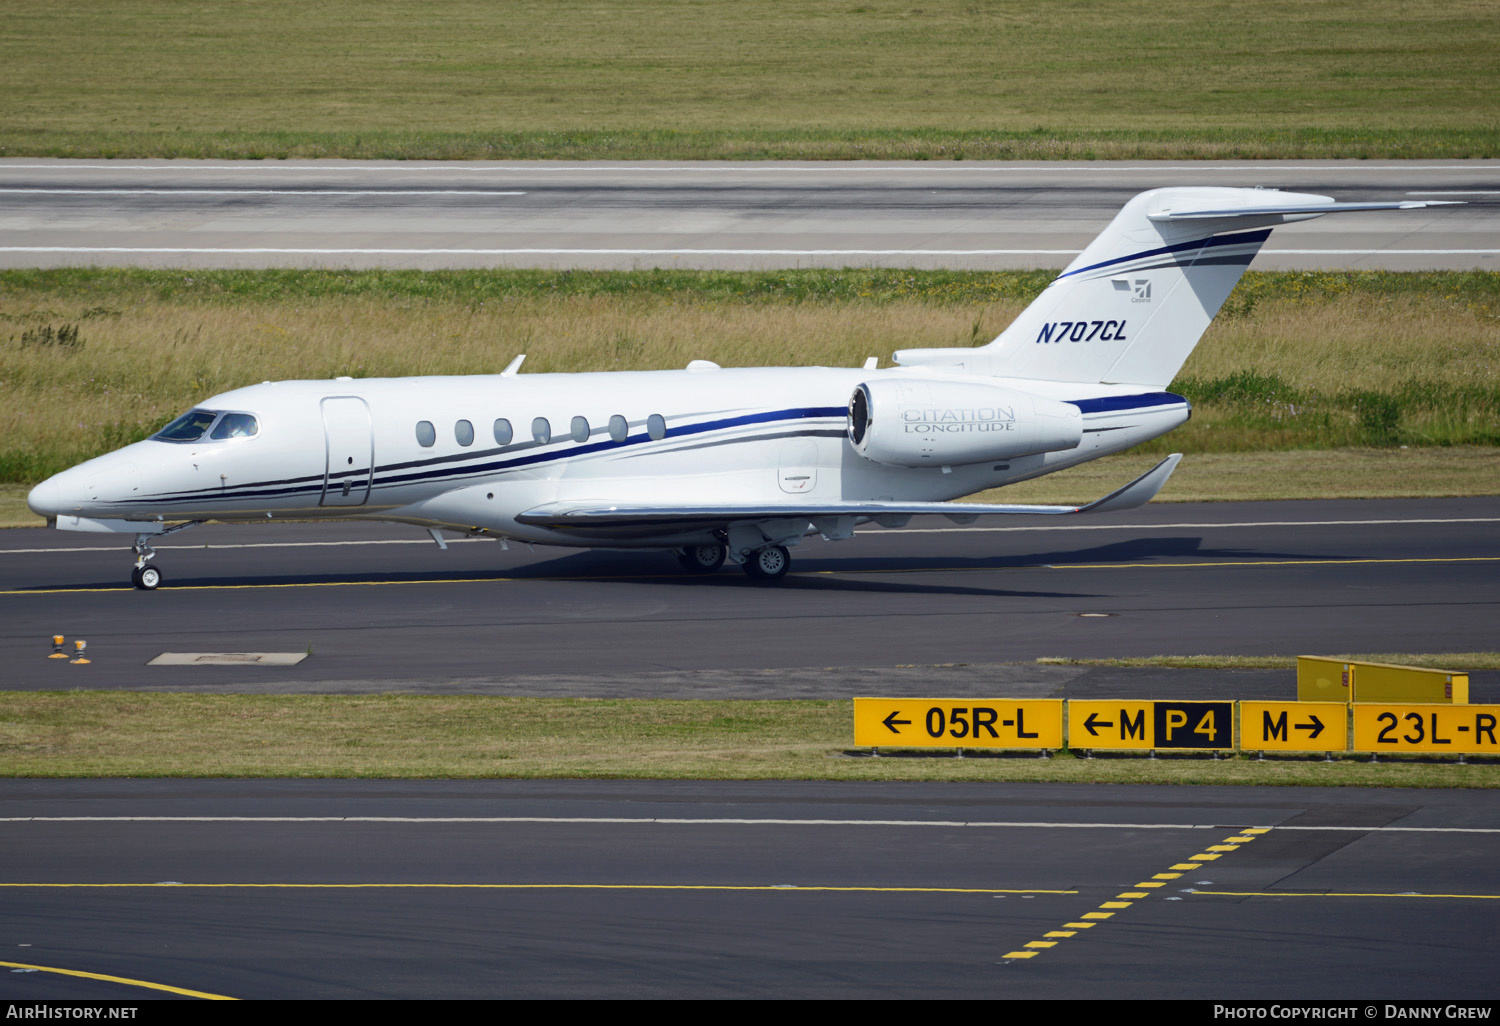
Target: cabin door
x=351, y=451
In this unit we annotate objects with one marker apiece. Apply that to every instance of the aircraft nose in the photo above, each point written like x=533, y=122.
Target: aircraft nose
x=45, y=500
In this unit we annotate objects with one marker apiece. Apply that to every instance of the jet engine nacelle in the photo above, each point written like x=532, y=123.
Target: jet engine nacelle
x=916, y=423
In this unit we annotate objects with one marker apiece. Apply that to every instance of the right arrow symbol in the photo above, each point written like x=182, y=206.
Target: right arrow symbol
x=1316, y=726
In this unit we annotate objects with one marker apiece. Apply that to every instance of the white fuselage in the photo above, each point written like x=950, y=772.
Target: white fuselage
x=727, y=436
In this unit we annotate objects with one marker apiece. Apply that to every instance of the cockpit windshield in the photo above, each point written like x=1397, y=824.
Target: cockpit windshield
x=235, y=425
x=194, y=425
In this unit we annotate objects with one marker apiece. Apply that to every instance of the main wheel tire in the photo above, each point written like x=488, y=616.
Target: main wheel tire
x=702, y=559
x=146, y=578
x=768, y=564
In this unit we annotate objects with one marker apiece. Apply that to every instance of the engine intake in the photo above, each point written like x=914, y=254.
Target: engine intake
x=951, y=423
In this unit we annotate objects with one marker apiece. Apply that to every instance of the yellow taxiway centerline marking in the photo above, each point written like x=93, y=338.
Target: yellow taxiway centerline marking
x=1347, y=894
x=118, y=979
x=125, y=589
x=1126, y=899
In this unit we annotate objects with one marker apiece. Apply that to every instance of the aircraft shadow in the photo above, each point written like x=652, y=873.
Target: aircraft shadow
x=811, y=570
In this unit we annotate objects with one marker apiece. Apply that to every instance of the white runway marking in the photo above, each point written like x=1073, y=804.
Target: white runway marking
x=1175, y=527
x=678, y=821
x=194, y=191
x=528, y=251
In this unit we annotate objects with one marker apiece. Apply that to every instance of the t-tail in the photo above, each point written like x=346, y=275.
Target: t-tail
x=1132, y=306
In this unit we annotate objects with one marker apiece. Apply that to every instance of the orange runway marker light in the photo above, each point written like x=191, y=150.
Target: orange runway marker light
x=57, y=647
x=79, y=657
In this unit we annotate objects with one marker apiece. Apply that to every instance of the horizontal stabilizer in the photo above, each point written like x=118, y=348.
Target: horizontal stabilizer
x=580, y=517
x=1189, y=212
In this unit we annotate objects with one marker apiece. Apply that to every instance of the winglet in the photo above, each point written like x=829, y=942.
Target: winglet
x=1138, y=492
x=514, y=367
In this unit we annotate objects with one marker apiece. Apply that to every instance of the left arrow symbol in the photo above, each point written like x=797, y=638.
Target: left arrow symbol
x=891, y=721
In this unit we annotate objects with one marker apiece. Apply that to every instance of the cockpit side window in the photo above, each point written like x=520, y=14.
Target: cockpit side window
x=187, y=428
x=236, y=425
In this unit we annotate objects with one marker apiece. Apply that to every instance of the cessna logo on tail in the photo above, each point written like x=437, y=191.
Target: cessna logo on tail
x=1083, y=331
x=1141, y=287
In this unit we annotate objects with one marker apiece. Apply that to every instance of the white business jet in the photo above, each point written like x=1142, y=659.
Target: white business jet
x=717, y=464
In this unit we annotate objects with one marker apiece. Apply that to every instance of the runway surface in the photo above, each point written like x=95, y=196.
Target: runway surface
x=764, y=214
x=933, y=610
x=607, y=889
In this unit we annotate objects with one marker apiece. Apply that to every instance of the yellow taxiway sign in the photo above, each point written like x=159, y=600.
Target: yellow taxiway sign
x=958, y=722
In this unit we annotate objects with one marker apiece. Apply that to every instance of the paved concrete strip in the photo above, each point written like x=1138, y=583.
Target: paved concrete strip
x=228, y=659
x=541, y=251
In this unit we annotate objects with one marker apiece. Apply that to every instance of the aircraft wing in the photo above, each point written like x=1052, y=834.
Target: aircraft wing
x=597, y=516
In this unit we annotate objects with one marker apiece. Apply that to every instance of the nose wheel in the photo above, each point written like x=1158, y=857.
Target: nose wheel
x=146, y=578
x=768, y=564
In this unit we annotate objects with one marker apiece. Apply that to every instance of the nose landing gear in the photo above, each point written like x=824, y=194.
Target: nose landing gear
x=144, y=576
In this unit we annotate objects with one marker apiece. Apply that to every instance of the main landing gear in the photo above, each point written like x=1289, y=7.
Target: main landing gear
x=701, y=559
x=766, y=564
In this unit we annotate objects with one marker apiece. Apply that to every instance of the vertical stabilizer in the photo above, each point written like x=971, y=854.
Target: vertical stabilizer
x=1132, y=306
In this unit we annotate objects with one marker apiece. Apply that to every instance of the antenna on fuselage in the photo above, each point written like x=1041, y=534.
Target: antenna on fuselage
x=514, y=367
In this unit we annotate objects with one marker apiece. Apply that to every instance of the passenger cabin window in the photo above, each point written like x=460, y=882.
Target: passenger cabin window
x=580, y=429
x=426, y=434
x=541, y=431
x=619, y=428
x=656, y=427
x=236, y=425
x=464, y=432
x=503, y=433
x=187, y=428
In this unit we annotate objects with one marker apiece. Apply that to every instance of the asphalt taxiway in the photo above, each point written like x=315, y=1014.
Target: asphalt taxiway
x=381, y=608
x=122, y=890
x=608, y=889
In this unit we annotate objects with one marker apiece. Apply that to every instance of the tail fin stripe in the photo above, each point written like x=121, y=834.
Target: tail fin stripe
x=1237, y=239
x=1115, y=403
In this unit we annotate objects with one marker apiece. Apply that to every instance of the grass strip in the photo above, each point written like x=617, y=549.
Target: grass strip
x=679, y=79
x=93, y=359
x=119, y=734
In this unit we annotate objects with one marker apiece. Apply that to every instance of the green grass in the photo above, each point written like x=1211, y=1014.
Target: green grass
x=116, y=734
x=1300, y=362
x=681, y=79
